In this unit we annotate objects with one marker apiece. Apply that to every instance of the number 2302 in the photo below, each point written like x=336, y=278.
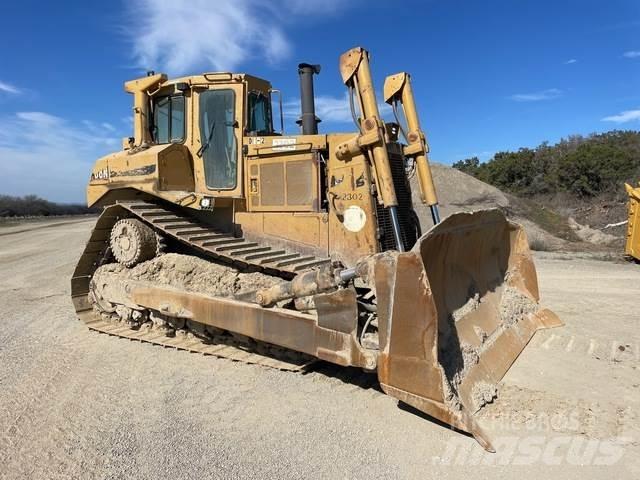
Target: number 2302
x=351, y=196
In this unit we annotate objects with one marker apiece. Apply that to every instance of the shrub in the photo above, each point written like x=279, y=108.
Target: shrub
x=581, y=166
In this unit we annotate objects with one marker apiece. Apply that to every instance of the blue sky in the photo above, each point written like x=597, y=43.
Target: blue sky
x=489, y=76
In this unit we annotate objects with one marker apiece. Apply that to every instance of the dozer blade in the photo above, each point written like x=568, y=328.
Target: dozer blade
x=454, y=314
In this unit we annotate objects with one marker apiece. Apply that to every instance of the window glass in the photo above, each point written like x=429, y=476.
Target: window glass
x=168, y=119
x=259, y=121
x=177, y=119
x=161, y=120
x=218, y=140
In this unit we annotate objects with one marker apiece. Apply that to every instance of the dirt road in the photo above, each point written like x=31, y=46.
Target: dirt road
x=77, y=404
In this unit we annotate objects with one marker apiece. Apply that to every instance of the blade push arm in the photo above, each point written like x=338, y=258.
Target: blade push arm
x=397, y=88
x=356, y=75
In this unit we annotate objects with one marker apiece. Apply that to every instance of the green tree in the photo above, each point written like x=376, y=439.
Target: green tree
x=582, y=166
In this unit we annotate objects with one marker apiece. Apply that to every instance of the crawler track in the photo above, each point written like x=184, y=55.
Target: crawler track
x=221, y=245
x=206, y=241
x=259, y=354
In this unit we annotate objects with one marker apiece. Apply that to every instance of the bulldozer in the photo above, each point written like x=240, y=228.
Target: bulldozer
x=632, y=245
x=322, y=228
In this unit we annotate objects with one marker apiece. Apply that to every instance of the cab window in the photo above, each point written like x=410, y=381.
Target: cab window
x=218, y=147
x=259, y=121
x=168, y=119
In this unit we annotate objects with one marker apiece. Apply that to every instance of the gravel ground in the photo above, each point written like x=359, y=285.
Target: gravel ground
x=78, y=404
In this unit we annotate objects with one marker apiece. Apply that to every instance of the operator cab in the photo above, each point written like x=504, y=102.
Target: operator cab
x=206, y=114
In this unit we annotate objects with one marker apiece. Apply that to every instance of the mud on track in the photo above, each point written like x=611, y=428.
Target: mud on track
x=77, y=404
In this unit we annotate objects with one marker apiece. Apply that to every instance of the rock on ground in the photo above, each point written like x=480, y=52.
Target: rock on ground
x=588, y=234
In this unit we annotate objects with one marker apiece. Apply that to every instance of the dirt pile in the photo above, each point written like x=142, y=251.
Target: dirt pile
x=194, y=274
x=458, y=191
x=546, y=229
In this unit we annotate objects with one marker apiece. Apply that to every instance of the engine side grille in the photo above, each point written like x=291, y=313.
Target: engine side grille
x=405, y=207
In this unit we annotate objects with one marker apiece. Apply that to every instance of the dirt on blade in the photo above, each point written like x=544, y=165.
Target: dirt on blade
x=77, y=404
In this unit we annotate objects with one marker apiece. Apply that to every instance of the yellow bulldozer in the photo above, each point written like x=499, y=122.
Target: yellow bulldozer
x=632, y=245
x=320, y=231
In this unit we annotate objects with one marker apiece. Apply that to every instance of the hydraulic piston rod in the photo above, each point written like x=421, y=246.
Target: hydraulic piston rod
x=397, y=88
x=356, y=74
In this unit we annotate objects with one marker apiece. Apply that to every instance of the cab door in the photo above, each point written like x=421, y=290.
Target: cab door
x=218, y=140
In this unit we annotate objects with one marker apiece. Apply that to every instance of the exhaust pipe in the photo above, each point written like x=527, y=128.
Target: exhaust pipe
x=308, y=119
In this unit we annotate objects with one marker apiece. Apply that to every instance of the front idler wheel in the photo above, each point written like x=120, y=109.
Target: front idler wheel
x=133, y=242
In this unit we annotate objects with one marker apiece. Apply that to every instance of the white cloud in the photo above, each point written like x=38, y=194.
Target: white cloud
x=46, y=155
x=312, y=7
x=631, y=54
x=328, y=109
x=8, y=88
x=108, y=127
x=332, y=109
x=185, y=35
x=549, y=94
x=39, y=118
x=624, y=117
x=99, y=129
x=571, y=61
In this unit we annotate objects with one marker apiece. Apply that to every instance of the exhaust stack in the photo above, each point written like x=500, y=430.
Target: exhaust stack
x=308, y=119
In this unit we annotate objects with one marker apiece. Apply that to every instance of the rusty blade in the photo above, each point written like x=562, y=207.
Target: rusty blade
x=461, y=307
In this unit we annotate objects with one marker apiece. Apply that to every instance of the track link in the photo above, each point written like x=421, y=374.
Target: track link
x=221, y=245
x=277, y=358
x=207, y=241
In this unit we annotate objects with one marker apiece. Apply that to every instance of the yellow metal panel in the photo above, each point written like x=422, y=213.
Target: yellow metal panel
x=175, y=170
x=633, y=228
x=306, y=232
x=272, y=184
x=269, y=146
x=300, y=181
x=299, y=228
x=349, y=185
x=285, y=182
